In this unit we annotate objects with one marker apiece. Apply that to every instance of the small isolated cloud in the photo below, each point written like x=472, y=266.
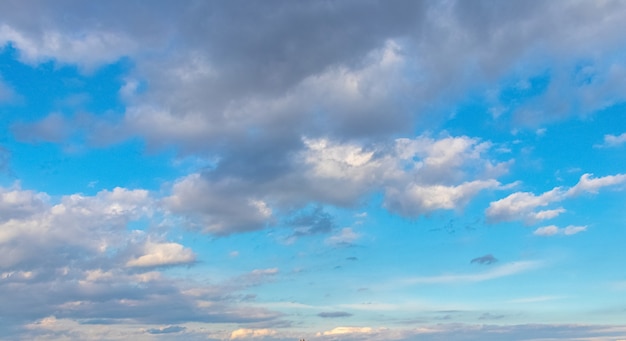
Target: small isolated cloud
x=346, y=236
x=612, y=141
x=347, y=331
x=523, y=205
x=251, y=333
x=486, y=259
x=488, y=316
x=587, y=184
x=162, y=254
x=166, y=330
x=334, y=314
x=552, y=230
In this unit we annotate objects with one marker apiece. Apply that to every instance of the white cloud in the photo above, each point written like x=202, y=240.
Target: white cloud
x=587, y=184
x=552, y=230
x=417, y=175
x=346, y=236
x=611, y=141
x=416, y=199
x=18, y=203
x=349, y=330
x=523, y=205
x=37, y=230
x=160, y=254
x=614, y=140
x=244, y=333
x=546, y=231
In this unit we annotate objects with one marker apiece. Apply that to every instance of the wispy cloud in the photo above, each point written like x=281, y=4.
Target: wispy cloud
x=505, y=270
x=612, y=141
x=552, y=230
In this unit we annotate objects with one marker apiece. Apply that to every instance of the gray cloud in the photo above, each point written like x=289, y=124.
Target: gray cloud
x=76, y=260
x=310, y=223
x=486, y=259
x=334, y=314
x=489, y=316
x=213, y=81
x=417, y=176
x=251, y=95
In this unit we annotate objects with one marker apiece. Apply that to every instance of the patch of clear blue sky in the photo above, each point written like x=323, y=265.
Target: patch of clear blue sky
x=74, y=166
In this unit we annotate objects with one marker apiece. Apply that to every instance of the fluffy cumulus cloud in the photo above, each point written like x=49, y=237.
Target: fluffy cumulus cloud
x=160, y=254
x=220, y=207
x=36, y=230
x=416, y=176
x=76, y=257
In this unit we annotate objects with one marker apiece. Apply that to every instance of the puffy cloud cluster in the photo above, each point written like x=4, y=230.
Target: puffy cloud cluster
x=75, y=258
x=416, y=176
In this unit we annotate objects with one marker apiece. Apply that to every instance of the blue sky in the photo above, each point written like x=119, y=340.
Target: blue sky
x=327, y=170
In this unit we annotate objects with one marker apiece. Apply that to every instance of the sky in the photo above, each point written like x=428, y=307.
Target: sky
x=327, y=170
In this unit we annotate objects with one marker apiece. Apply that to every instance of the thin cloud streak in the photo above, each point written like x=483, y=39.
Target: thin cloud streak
x=504, y=270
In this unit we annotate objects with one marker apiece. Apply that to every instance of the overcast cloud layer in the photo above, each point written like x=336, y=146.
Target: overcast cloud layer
x=334, y=170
